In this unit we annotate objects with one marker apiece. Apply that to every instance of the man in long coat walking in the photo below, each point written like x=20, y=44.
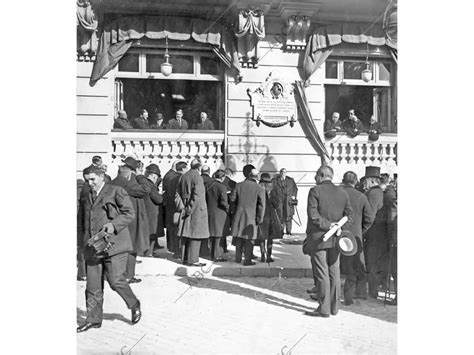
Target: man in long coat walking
x=105, y=208
x=286, y=192
x=139, y=231
x=354, y=266
x=217, y=212
x=193, y=226
x=249, y=199
x=327, y=204
x=168, y=203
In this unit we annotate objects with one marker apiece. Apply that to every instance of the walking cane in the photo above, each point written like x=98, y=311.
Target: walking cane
x=298, y=214
x=387, y=288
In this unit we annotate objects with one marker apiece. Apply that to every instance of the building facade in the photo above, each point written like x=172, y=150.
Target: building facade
x=267, y=73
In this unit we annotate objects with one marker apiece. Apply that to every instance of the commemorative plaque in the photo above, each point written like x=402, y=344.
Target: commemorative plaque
x=273, y=103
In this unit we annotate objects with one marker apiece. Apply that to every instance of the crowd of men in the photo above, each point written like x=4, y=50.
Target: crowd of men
x=157, y=121
x=352, y=126
x=196, y=211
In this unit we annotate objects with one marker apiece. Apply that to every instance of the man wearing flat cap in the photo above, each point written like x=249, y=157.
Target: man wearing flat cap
x=327, y=204
x=153, y=203
x=353, y=266
x=138, y=228
x=122, y=122
x=249, y=200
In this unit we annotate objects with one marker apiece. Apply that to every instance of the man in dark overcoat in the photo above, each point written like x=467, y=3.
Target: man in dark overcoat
x=170, y=186
x=230, y=185
x=286, y=191
x=353, y=266
x=153, y=201
x=375, y=239
x=139, y=231
x=193, y=226
x=327, y=204
x=249, y=199
x=105, y=208
x=168, y=200
x=391, y=207
x=206, y=176
x=217, y=212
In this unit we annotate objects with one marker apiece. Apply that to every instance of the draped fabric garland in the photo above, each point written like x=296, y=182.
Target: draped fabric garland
x=117, y=37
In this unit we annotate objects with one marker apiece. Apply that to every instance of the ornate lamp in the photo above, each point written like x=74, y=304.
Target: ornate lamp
x=166, y=67
x=367, y=73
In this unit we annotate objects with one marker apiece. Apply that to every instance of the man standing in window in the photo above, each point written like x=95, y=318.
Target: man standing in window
x=352, y=126
x=374, y=129
x=178, y=122
x=158, y=121
x=122, y=122
x=332, y=126
x=205, y=123
x=286, y=192
x=142, y=121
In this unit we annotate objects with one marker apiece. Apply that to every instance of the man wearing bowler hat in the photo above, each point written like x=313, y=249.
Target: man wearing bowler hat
x=375, y=239
x=327, y=204
x=153, y=204
x=353, y=267
x=138, y=228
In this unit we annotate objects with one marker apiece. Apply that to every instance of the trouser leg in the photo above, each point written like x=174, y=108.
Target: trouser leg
x=115, y=267
x=288, y=224
x=238, y=249
x=351, y=278
x=371, y=265
x=217, y=250
x=94, y=290
x=269, y=247
x=313, y=267
x=193, y=246
x=223, y=243
x=321, y=274
x=248, y=251
x=131, y=263
x=334, y=279
x=204, y=250
x=81, y=264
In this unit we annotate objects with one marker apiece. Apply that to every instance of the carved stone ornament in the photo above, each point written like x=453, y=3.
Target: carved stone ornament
x=273, y=103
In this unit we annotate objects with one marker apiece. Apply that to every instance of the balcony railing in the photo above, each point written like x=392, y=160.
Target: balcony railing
x=163, y=147
x=360, y=150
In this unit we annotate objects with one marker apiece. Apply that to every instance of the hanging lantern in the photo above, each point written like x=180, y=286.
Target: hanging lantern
x=166, y=67
x=366, y=73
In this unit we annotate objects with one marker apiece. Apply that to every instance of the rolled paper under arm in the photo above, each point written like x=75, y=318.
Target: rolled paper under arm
x=333, y=230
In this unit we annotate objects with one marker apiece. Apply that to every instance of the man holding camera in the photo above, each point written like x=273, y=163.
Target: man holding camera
x=103, y=217
x=286, y=192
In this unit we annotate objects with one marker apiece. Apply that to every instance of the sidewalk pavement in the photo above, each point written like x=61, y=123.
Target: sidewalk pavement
x=287, y=253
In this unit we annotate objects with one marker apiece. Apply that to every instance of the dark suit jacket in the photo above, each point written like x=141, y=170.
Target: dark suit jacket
x=327, y=203
x=140, y=123
x=207, y=180
x=249, y=199
x=376, y=232
x=111, y=205
x=217, y=209
x=363, y=217
x=173, y=124
x=122, y=123
x=207, y=124
x=352, y=128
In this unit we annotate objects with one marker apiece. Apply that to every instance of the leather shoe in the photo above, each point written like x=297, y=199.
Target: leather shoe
x=134, y=280
x=316, y=314
x=197, y=264
x=87, y=326
x=250, y=263
x=392, y=302
x=136, y=313
x=314, y=297
x=83, y=278
x=220, y=259
x=348, y=302
x=254, y=257
x=312, y=290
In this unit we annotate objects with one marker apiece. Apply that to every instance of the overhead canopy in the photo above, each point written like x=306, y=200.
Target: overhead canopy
x=326, y=37
x=118, y=34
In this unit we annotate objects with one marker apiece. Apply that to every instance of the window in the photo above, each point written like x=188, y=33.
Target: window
x=346, y=90
x=194, y=86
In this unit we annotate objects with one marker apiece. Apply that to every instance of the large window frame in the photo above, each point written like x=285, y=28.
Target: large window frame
x=376, y=81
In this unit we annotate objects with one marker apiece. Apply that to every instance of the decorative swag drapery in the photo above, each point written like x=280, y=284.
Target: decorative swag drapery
x=117, y=36
x=320, y=43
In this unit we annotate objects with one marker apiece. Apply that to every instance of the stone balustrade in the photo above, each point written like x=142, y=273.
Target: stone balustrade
x=164, y=147
x=360, y=150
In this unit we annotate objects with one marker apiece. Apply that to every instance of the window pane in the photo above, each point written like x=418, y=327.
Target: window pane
x=353, y=70
x=342, y=98
x=209, y=66
x=384, y=71
x=129, y=62
x=182, y=64
x=331, y=69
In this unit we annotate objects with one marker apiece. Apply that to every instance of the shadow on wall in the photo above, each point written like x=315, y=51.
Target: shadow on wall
x=248, y=151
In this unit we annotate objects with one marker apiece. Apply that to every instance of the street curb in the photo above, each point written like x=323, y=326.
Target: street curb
x=184, y=271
